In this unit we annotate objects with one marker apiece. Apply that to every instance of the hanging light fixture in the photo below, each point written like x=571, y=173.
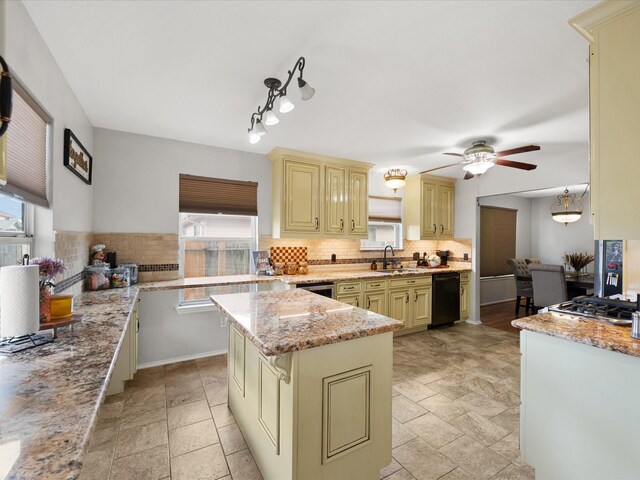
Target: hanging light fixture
x=567, y=209
x=479, y=157
x=278, y=91
x=395, y=178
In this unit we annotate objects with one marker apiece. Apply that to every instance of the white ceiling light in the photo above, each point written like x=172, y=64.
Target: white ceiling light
x=478, y=167
x=278, y=91
x=567, y=209
x=395, y=178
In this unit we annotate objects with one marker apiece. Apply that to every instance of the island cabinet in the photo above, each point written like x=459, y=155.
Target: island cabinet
x=410, y=302
x=465, y=295
x=127, y=361
x=613, y=31
x=318, y=196
x=310, y=384
x=429, y=207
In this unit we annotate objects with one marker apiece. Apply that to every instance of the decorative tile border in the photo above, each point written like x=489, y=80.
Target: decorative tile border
x=343, y=261
x=69, y=282
x=160, y=267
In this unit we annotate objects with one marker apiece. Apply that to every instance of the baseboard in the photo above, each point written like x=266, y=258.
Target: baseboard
x=181, y=359
x=499, y=301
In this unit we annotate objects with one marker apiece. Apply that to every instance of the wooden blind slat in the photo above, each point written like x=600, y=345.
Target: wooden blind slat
x=217, y=195
x=26, y=153
x=497, y=240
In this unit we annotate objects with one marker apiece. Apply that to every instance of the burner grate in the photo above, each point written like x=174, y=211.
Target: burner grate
x=24, y=342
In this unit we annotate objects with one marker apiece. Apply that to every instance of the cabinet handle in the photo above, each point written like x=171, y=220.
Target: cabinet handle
x=441, y=228
x=407, y=298
x=376, y=285
x=341, y=224
x=348, y=288
x=368, y=303
x=411, y=281
x=416, y=299
x=461, y=291
x=434, y=228
x=317, y=223
x=353, y=225
x=357, y=302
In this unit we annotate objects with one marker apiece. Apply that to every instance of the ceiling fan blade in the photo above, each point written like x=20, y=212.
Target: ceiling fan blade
x=454, y=154
x=440, y=168
x=468, y=175
x=513, y=151
x=512, y=164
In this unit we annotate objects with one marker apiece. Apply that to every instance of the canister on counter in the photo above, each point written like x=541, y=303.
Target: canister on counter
x=120, y=277
x=133, y=272
x=302, y=268
x=278, y=268
x=292, y=268
x=98, y=277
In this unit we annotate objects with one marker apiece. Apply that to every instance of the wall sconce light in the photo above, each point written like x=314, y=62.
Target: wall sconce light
x=395, y=178
x=278, y=91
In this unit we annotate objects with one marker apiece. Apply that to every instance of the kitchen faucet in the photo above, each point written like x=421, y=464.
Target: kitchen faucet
x=384, y=260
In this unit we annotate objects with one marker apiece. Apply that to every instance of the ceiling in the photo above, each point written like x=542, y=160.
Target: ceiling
x=397, y=83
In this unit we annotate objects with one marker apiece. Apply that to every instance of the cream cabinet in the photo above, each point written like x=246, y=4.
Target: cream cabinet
x=375, y=296
x=410, y=302
x=350, y=293
x=465, y=296
x=318, y=196
x=429, y=207
x=127, y=362
x=613, y=31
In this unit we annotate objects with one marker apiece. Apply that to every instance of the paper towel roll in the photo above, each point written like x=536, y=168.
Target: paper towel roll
x=19, y=300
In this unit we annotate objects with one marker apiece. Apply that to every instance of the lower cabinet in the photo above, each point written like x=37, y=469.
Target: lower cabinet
x=465, y=296
x=127, y=361
x=370, y=295
x=410, y=301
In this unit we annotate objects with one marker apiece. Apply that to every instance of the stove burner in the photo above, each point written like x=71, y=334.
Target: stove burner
x=614, y=311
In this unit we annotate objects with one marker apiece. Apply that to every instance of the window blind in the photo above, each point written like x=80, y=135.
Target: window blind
x=217, y=195
x=385, y=209
x=27, y=150
x=497, y=240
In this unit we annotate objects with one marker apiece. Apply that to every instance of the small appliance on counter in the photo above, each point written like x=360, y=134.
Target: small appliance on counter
x=444, y=257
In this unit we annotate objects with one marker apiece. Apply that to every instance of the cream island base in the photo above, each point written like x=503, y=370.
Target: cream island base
x=310, y=384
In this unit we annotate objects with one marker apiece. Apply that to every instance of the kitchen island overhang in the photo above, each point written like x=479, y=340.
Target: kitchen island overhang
x=310, y=383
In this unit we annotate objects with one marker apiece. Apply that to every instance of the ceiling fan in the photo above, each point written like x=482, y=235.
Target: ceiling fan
x=480, y=157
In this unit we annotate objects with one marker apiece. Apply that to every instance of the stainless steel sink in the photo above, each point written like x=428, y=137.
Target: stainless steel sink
x=397, y=271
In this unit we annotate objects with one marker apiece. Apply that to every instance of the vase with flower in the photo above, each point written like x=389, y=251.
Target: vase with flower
x=49, y=268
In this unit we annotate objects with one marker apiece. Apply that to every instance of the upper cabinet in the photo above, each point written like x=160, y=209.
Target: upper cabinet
x=613, y=31
x=318, y=196
x=429, y=207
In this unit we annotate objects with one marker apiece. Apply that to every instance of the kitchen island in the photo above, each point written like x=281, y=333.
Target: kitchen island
x=580, y=381
x=310, y=383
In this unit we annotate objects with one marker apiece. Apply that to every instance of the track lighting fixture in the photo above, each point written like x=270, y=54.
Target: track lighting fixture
x=278, y=91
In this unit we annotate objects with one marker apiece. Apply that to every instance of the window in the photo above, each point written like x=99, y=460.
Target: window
x=213, y=245
x=497, y=240
x=385, y=223
x=15, y=229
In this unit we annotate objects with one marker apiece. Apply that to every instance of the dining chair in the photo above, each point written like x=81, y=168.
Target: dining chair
x=549, y=284
x=523, y=287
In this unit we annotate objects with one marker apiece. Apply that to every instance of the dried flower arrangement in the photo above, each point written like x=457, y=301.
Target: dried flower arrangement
x=49, y=268
x=578, y=260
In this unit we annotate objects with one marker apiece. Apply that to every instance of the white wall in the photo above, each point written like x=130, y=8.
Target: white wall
x=138, y=175
x=551, y=240
x=71, y=200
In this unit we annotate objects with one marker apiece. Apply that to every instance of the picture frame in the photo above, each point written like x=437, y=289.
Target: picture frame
x=76, y=157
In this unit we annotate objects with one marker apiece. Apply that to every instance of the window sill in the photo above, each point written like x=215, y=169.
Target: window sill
x=196, y=308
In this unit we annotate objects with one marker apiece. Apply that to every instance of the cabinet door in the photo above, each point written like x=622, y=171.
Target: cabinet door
x=353, y=300
x=465, y=299
x=334, y=180
x=421, y=306
x=302, y=197
x=376, y=302
x=445, y=210
x=399, y=307
x=358, y=204
x=428, y=220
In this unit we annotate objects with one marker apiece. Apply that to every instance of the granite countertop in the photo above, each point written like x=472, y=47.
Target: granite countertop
x=290, y=320
x=582, y=330
x=334, y=276
x=50, y=395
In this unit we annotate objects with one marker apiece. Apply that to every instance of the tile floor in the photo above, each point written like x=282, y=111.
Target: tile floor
x=455, y=416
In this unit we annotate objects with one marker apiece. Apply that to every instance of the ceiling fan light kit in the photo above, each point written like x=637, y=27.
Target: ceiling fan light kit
x=277, y=91
x=395, y=178
x=567, y=209
x=478, y=167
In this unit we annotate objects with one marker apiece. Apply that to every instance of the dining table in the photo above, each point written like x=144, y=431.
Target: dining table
x=577, y=285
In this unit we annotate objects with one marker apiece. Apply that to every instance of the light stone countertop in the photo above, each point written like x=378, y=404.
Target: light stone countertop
x=582, y=330
x=290, y=320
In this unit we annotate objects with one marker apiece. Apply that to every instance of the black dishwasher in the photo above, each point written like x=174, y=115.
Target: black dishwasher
x=445, y=304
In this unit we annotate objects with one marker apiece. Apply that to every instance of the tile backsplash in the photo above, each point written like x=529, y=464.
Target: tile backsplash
x=73, y=249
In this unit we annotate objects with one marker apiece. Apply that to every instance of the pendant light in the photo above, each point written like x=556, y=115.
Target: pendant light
x=567, y=209
x=395, y=178
x=278, y=91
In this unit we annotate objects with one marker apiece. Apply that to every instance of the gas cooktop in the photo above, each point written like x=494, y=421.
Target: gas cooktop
x=617, y=312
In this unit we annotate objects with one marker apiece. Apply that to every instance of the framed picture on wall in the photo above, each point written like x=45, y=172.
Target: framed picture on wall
x=76, y=157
